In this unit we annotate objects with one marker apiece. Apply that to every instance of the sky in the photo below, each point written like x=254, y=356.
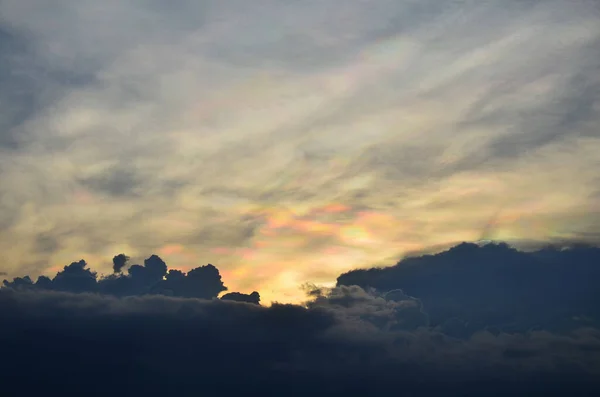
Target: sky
x=289, y=141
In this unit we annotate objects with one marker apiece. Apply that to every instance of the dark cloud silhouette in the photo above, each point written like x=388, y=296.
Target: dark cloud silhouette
x=19, y=283
x=497, y=287
x=473, y=320
x=119, y=262
x=44, y=283
x=458, y=323
x=202, y=282
x=342, y=344
x=75, y=278
x=254, y=297
x=153, y=271
x=466, y=289
x=153, y=278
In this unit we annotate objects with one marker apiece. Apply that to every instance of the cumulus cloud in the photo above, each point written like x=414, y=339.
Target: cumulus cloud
x=465, y=289
x=471, y=320
x=152, y=278
x=119, y=262
x=471, y=287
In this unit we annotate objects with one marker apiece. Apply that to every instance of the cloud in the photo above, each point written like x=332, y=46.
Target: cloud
x=462, y=290
x=392, y=311
x=254, y=297
x=119, y=262
x=29, y=85
x=76, y=278
x=117, y=181
x=218, y=347
x=179, y=124
x=465, y=321
x=153, y=277
x=470, y=287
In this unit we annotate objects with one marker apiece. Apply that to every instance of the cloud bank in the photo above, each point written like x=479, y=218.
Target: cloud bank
x=153, y=278
x=496, y=287
x=473, y=320
x=96, y=344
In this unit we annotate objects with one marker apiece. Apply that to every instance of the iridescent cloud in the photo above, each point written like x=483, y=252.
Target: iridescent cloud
x=286, y=142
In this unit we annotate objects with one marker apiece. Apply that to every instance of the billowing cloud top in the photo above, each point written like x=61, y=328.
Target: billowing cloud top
x=289, y=141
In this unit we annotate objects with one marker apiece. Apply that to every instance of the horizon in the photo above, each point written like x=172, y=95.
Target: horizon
x=303, y=296
x=477, y=319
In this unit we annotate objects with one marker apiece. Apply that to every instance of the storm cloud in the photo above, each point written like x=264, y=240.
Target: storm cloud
x=476, y=319
x=96, y=344
x=471, y=287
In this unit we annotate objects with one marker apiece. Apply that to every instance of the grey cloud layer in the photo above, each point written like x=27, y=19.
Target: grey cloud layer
x=349, y=344
x=476, y=319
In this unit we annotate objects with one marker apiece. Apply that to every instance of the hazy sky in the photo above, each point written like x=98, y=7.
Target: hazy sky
x=288, y=141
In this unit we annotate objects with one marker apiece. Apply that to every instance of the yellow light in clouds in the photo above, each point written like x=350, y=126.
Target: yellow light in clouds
x=355, y=234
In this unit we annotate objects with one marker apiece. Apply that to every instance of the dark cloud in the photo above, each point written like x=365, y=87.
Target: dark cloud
x=75, y=278
x=101, y=345
x=254, y=297
x=476, y=287
x=153, y=277
x=201, y=282
x=119, y=262
x=391, y=311
x=497, y=287
x=470, y=321
x=19, y=283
